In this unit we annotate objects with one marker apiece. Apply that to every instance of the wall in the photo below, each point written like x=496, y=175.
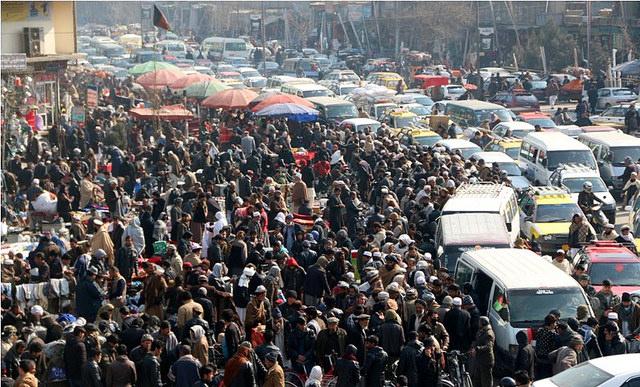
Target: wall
x=54, y=18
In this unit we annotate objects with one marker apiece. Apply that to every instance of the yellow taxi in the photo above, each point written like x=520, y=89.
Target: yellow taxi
x=546, y=214
x=399, y=118
x=387, y=79
x=508, y=145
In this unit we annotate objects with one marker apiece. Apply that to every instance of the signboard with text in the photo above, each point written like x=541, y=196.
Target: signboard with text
x=14, y=61
x=78, y=116
x=92, y=96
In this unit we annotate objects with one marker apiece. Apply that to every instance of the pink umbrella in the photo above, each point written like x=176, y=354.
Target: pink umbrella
x=159, y=79
x=190, y=79
x=282, y=98
x=230, y=99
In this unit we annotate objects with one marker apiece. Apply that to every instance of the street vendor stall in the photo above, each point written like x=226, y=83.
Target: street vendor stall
x=166, y=113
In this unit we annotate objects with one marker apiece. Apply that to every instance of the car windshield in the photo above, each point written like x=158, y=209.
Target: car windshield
x=575, y=184
x=570, y=156
x=235, y=46
x=619, y=154
x=403, y=122
x=420, y=110
x=620, y=274
x=342, y=111
x=530, y=306
x=538, y=84
x=512, y=169
x=346, y=90
x=583, y=375
x=424, y=100
x=250, y=73
x=467, y=152
x=621, y=92
x=503, y=115
x=543, y=122
x=513, y=152
x=556, y=213
x=315, y=93
x=427, y=140
x=521, y=133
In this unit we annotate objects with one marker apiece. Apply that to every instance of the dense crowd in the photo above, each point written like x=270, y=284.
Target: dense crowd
x=176, y=260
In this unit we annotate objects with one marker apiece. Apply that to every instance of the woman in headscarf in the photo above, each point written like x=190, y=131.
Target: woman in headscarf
x=273, y=282
x=220, y=222
x=239, y=372
x=315, y=377
x=241, y=293
x=199, y=344
x=137, y=234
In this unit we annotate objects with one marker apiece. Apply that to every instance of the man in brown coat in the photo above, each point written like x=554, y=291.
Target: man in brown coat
x=121, y=372
x=298, y=193
x=154, y=288
x=275, y=374
x=482, y=348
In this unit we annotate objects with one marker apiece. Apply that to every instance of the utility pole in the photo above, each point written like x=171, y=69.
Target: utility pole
x=589, y=10
x=263, y=23
x=397, y=30
x=495, y=31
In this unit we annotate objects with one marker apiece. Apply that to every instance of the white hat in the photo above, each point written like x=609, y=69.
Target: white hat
x=406, y=239
x=260, y=289
x=457, y=301
x=280, y=217
x=383, y=296
x=610, y=316
x=377, y=254
x=367, y=253
x=37, y=309
x=427, y=256
x=256, y=213
x=422, y=265
x=432, y=278
x=249, y=272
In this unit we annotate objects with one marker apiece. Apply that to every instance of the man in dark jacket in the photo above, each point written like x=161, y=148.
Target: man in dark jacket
x=526, y=357
x=300, y=347
x=458, y=323
x=427, y=364
x=484, y=357
x=391, y=335
x=89, y=296
x=127, y=259
x=347, y=368
x=75, y=356
x=186, y=371
x=91, y=374
x=407, y=365
x=150, y=375
x=330, y=341
x=316, y=284
x=374, y=364
x=357, y=335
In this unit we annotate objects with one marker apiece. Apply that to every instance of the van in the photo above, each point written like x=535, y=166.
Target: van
x=306, y=90
x=175, y=48
x=301, y=67
x=542, y=152
x=516, y=289
x=217, y=48
x=333, y=110
x=610, y=150
x=473, y=112
x=457, y=233
x=487, y=198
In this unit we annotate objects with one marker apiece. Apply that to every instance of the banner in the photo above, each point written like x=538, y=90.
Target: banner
x=92, y=97
x=23, y=10
x=78, y=116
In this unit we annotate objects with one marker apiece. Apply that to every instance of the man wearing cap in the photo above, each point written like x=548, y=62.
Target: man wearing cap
x=585, y=282
x=560, y=261
x=482, y=349
x=357, y=334
x=127, y=259
x=390, y=269
x=307, y=257
x=613, y=342
x=301, y=346
x=607, y=298
x=608, y=233
x=566, y=357
x=89, y=295
x=258, y=310
x=375, y=363
x=330, y=341
x=629, y=315
x=153, y=291
x=626, y=238
x=185, y=312
x=275, y=373
x=458, y=323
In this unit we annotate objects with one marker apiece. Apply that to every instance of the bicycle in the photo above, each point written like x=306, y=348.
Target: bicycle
x=457, y=375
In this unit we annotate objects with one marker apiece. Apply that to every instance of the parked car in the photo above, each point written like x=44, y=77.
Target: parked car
x=612, y=116
x=613, y=261
x=610, y=96
x=268, y=69
x=517, y=101
x=609, y=371
x=546, y=123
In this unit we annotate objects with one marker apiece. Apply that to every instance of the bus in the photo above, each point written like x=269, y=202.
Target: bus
x=175, y=48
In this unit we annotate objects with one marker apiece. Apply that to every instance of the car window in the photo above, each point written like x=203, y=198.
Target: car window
x=605, y=93
x=499, y=303
x=464, y=273
x=622, y=92
x=635, y=382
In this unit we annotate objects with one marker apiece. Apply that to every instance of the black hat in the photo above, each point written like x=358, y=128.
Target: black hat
x=626, y=297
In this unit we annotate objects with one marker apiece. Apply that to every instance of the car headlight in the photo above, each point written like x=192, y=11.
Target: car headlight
x=547, y=237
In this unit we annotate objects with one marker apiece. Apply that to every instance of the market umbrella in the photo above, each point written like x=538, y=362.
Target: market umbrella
x=150, y=66
x=159, y=79
x=205, y=89
x=286, y=109
x=190, y=79
x=263, y=96
x=230, y=99
x=282, y=99
x=629, y=68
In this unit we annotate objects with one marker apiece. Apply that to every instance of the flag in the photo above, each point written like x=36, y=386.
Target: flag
x=159, y=20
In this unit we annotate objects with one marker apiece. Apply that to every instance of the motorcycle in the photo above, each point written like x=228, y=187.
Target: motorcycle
x=597, y=218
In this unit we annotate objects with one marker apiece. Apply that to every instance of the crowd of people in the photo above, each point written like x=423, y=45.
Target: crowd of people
x=176, y=260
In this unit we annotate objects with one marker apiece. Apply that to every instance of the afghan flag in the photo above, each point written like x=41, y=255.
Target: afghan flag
x=159, y=20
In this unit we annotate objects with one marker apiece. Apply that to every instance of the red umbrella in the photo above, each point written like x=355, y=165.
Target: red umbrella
x=230, y=99
x=470, y=86
x=282, y=98
x=190, y=79
x=159, y=78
